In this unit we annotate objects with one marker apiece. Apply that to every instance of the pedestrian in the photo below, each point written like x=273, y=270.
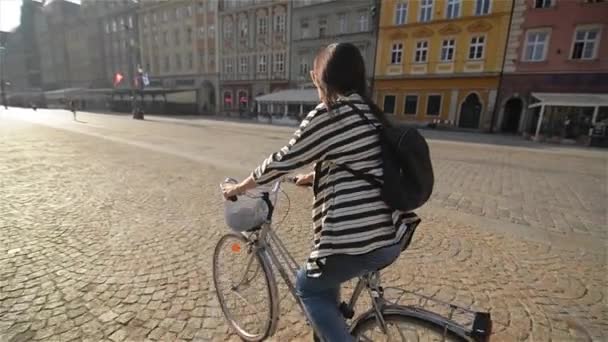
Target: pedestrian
x=355, y=231
x=72, y=105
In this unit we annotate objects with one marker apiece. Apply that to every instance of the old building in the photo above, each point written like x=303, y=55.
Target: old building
x=317, y=23
x=441, y=59
x=254, y=40
x=178, y=41
x=555, y=46
x=117, y=49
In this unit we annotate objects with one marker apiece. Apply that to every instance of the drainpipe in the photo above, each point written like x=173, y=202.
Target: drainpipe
x=377, y=6
x=501, y=75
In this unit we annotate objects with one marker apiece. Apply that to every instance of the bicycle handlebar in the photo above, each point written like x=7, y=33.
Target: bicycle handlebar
x=287, y=179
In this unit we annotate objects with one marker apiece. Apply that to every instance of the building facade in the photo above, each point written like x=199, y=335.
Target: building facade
x=179, y=48
x=318, y=23
x=119, y=52
x=555, y=46
x=255, y=41
x=441, y=60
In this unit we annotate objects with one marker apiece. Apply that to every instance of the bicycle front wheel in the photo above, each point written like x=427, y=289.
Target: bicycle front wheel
x=403, y=328
x=245, y=287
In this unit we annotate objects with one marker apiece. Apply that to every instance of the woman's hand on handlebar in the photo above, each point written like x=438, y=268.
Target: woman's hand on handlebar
x=305, y=179
x=230, y=191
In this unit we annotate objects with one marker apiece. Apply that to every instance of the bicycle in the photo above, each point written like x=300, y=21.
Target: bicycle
x=256, y=251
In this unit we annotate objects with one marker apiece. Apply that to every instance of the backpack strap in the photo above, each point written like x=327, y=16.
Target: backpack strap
x=360, y=113
x=373, y=180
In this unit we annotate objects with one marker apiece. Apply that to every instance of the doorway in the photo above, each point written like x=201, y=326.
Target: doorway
x=470, y=112
x=512, y=115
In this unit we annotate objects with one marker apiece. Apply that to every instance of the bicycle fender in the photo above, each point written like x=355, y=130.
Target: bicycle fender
x=416, y=313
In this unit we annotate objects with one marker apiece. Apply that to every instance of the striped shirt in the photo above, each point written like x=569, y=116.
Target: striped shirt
x=349, y=216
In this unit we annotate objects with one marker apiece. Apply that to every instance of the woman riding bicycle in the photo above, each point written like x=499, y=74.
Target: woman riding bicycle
x=355, y=232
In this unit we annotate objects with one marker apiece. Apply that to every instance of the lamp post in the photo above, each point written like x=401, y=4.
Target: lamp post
x=137, y=113
x=2, y=81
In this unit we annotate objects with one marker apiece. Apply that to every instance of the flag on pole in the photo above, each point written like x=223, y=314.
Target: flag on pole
x=117, y=78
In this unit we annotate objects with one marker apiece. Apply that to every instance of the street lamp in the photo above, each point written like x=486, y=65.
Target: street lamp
x=135, y=110
x=2, y=81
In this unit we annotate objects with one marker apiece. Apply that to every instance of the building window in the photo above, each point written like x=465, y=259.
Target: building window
x=244, y=66
x=201, y=7
x=279, y=22
x=305, y=29
x=342, y=23
x=167, y=63
x=543, y=3
x=363, y=22
x=178, y=13
x=189, y=11
x=107, y=27
x=389, y=104
x=411, y=105
x=243, y=27
x=537, y=43
x=322, y=27
x=476, y=47
x=145, y=20
x=130, y=22
x=304, y=66
x=426, y=10
x=262, y=63
x=447, y=50
x=453, y=9
x=211, y=31
x=122, y=24
x=228, y=66
x=422, y=48
x=154, y=18
x=482, y=7
x=190, y=61
x=201, y=32
x=397, y=53
x=433, y=105
x=585, y=43
x=401, y=13
x=189, y=34
x=279, y=62
x=113, y=25
x=228, y=28
x=166, y=38
x=165, y=15
x=262, y=25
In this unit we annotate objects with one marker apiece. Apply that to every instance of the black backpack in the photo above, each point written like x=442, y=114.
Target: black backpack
x=408, y=179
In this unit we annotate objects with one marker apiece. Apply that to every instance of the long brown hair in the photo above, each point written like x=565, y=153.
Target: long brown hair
x=339, y=69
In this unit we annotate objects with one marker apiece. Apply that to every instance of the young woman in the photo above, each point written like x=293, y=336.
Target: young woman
x=355, y=232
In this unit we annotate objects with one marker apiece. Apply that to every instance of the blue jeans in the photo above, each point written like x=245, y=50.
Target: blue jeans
x=321, y=295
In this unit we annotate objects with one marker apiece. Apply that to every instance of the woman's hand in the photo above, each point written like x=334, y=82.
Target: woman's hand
x=231, y=190
x=305, y=179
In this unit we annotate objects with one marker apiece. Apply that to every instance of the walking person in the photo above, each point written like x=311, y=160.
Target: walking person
x=355, y=231
x=72, y=105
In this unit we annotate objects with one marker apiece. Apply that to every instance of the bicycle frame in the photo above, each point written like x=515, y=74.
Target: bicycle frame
x=266, y=243
x=263, y=241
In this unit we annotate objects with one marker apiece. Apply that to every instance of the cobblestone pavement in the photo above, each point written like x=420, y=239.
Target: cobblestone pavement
x=107, y=227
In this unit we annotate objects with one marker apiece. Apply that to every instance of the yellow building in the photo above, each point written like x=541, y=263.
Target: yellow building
x=441, y=59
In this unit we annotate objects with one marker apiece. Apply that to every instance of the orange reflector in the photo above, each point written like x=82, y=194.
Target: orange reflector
x=236, y=247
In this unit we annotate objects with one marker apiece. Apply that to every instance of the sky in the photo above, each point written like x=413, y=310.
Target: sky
x=10, y=13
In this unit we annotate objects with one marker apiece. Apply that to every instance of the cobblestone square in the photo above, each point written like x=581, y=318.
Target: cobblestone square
x=107, y=227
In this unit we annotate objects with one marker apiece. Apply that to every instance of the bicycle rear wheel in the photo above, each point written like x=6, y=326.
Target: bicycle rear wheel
x=245, y=287
x=403, y=328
